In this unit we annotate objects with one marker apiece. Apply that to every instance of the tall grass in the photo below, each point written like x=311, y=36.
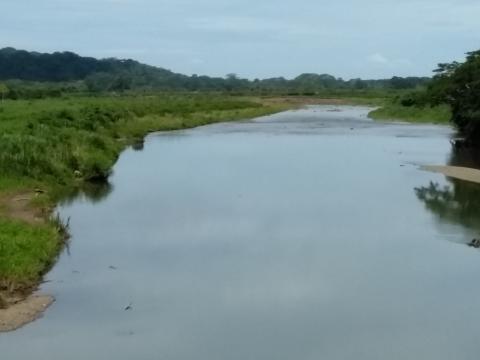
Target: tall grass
x=25, y=252
x=61, y=139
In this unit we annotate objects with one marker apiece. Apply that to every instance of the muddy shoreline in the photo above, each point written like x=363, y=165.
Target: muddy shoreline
x=24, y=312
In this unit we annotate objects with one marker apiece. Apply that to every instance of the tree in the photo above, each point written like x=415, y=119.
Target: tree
x=458, y=84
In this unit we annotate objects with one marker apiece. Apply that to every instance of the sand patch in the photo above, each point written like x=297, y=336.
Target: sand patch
x=457, y=172
x=24, y=312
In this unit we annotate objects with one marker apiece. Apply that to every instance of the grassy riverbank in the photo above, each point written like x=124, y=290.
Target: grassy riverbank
x=51, y=147
x=413, y=114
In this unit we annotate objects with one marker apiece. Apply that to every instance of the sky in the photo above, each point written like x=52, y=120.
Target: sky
x=252, y=38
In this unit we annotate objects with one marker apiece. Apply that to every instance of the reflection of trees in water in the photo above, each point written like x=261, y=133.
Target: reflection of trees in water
x=138, y=145
x=94, y=191
x=459, y=201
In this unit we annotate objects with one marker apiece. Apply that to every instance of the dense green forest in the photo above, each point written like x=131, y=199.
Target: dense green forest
x=34, y=75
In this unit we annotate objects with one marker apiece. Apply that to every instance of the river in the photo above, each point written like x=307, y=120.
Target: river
x=309, y=234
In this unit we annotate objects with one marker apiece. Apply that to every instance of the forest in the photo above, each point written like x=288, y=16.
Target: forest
x=34, y=75
x=458, y=86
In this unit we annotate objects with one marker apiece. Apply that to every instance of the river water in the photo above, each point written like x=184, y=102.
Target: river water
x=310, y=234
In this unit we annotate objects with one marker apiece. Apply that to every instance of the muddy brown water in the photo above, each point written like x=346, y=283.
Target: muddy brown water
x=309, y=234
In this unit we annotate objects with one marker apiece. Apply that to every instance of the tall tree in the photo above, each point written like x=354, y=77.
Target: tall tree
x=458, y=84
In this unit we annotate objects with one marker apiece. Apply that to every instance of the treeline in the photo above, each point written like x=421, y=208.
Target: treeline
x=456, y=84
x=21, y=89
x=56, y=67
x=32, y=74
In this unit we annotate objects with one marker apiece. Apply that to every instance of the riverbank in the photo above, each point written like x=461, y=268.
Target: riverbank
x=457, y=172
x=298, y=101
x=389, y=111
x=386, y=109
x=24, y=312
x=51, y=148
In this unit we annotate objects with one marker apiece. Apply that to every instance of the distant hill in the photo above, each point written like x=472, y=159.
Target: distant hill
x=116, y=75
x=68, y=66
x=64, y=66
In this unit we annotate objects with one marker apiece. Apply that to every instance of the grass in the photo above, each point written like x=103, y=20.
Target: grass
x=58, y=140
x=58, y=145
x=396, y=112
x=25, y=253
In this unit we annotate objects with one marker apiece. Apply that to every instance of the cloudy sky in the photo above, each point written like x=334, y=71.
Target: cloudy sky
x=253, y=38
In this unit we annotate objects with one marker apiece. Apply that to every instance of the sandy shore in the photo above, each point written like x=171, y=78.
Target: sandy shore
x=24, y=312
x=462, y=173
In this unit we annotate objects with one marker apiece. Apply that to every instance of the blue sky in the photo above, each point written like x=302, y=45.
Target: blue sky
x=253, y=38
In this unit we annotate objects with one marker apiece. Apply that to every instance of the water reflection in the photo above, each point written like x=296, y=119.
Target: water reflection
x=138, y=145
x=458, y=202
x=93, y=191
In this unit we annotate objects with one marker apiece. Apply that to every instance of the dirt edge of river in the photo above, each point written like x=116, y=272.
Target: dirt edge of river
x=24, y=312
x=457, y=172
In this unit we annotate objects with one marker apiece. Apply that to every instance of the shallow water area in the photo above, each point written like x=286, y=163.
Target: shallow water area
x=309, y=234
